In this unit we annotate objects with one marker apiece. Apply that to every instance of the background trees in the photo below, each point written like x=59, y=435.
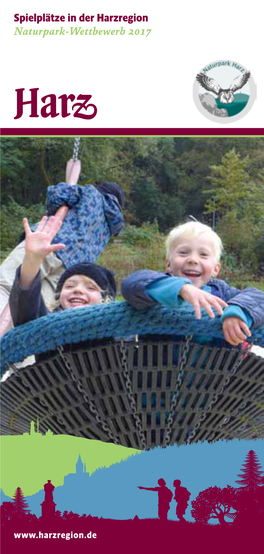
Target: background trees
x=217, y=180
x=236, y=202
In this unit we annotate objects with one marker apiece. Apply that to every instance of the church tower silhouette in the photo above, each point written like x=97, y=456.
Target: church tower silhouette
x=79, y=466
x=80, y=477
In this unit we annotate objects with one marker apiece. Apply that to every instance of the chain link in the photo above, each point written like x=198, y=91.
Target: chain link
x=13, y=418
x=15, y=370
x=131, y=398
x=17, y=373
x=186, y=348
x=243, y=355
x=90, y=403
x=76, y=149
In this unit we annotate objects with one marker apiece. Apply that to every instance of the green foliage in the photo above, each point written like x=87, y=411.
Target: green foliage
x=147, y=233
x=229, y=262
x=171, y=213
x=233, y=189
x=11, y=222
x=145, y=197
x=125, y=256
x=259, y=246
x=242, y=240
x=164, y=179
x=150, y=204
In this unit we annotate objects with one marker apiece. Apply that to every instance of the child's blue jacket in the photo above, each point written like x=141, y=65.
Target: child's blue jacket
x=92, y=219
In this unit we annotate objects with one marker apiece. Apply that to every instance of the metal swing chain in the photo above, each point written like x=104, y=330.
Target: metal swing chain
x=76, y=148
x=243, y=355
x=131, y=398
x=186, y=348
x=17, y=372
x=90, y=403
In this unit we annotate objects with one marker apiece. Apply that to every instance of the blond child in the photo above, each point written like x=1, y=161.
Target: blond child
x=193, y=252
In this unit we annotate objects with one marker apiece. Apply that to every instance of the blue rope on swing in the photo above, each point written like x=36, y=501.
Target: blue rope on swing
x=104, y=321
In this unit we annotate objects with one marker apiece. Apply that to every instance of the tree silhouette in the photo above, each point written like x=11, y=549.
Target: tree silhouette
x=249, y=506
x=249, y=498
x=213, y=503
x=7, y=511
x=251, y=478
x=21, y=506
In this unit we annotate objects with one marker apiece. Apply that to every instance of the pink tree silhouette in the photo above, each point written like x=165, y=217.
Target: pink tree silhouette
x=251, y=477
x=213, y=503
x=7, y=512
x=21, y=507
x=249, y=498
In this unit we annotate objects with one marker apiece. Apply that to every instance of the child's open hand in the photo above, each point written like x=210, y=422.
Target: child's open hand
x=235, y=330
x=38, y=243
x=201, y=299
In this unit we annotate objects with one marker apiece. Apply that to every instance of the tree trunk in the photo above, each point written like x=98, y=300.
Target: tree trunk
x=221, y=519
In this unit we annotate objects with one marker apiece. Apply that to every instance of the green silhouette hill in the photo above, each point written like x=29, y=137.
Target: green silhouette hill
x=28, y=461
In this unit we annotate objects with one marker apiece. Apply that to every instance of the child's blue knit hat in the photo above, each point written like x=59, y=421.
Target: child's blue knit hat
x=103, y=277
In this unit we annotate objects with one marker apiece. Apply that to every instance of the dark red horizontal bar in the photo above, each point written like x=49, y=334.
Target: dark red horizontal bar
x=131, y=131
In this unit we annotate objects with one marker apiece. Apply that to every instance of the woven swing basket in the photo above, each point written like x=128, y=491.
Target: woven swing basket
x=88, y=384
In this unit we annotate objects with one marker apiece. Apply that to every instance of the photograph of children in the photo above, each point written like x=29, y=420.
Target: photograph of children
x=137, y=232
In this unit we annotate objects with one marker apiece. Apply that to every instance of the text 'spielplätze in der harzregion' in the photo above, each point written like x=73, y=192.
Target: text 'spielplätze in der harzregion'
x=99, y=17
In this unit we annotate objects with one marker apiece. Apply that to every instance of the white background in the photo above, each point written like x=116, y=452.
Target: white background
x=135, y=81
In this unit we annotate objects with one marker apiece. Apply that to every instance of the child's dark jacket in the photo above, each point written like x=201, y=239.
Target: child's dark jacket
x=26, y=304
x=250, y=300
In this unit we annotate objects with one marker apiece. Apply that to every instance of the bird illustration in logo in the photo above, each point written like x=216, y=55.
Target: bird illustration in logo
x=225, y=96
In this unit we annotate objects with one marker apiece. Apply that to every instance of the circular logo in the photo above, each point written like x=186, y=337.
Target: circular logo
x=224, y=91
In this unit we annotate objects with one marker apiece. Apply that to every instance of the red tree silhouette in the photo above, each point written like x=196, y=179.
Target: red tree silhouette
x=251, y=477
x=213, y=503
x=249, y=499
x=21, y=507
x=58, y=515
x=7, y=511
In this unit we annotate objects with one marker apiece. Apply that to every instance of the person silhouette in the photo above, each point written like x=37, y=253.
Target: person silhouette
x=164, y=498
x=181, y=496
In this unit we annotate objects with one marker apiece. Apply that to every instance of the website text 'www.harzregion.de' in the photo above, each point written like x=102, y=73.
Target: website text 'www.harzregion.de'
x=65, y=536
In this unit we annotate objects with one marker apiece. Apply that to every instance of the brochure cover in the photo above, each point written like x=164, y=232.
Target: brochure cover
x=132, y=277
